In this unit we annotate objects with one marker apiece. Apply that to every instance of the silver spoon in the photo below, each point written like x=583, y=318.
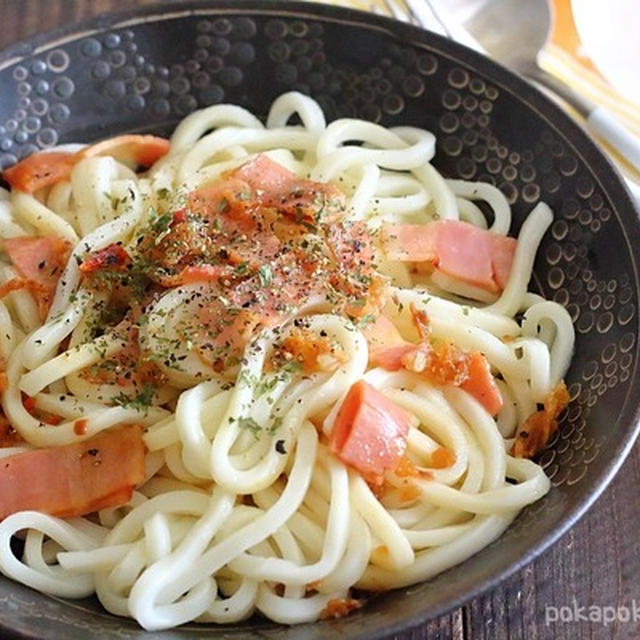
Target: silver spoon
x=514, y=32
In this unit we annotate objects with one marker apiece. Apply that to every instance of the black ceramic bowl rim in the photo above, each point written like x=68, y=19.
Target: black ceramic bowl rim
x=588, y=152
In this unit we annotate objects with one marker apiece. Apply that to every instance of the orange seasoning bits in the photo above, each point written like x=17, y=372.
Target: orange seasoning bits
x=80, y=426
x=442, y=458
x=340, y=607
x=312, y=351
x=407, y=469
x=538, y=428
x=441, y=361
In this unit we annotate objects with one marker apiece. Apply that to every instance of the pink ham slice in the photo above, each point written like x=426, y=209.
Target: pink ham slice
x=458, y=249
x=387, y=347
x=74, y=479
x=370, y=432
x=302, y=199
x=40, y=261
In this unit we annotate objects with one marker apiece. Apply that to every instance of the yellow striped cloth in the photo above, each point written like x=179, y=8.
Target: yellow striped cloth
x=564, y=58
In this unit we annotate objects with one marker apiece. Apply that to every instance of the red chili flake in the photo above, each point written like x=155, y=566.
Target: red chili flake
x=29, y=403
x=179, y=216
x=111, y=257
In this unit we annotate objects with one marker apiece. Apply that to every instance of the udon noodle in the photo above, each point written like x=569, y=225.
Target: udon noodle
x=245, y=507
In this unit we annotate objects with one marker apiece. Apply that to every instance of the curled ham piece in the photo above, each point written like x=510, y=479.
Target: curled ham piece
x=39, y=170
x=457, y=249
x=40, y=262
x=74, y=479
x=46, y=168
x=134, y=150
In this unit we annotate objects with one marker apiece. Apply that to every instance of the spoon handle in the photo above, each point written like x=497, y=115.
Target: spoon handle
x=599, y=121
x=604, y=124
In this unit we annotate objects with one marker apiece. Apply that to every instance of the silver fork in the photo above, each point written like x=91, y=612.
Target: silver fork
x=403, y=12
x=435, y=16
x=432, y=15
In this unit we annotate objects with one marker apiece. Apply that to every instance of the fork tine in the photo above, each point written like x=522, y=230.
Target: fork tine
x=451, y=27
x=432, y=15
x=426, y=17
x=396, y=12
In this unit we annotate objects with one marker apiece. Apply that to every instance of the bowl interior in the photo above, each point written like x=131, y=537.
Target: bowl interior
x=146, y=70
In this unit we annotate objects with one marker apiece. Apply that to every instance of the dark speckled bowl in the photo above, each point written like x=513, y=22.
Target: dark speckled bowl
x=144, y=70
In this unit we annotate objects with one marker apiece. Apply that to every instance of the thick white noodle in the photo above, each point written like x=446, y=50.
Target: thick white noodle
x=232, y=521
